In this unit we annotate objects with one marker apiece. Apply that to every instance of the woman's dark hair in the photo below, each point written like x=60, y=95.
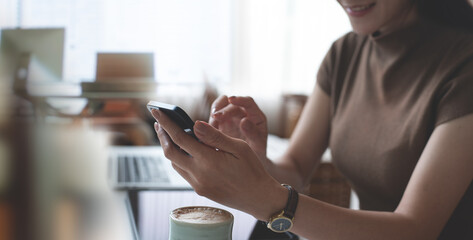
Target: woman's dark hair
x=455, y=13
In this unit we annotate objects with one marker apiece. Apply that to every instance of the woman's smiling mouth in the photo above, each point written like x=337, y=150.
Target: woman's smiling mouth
x=359, y=10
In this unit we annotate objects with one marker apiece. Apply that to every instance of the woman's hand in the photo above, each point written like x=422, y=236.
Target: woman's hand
x=240, y=117
x=220, y=167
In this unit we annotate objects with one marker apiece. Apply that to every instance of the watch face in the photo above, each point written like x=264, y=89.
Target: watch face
x=281, y=224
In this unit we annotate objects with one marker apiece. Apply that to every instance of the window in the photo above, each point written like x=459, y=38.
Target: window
x=188, y=38
x=281, y=43
x=245, y=46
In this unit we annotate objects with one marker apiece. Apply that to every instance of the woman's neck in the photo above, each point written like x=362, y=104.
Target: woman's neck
x=409, y=16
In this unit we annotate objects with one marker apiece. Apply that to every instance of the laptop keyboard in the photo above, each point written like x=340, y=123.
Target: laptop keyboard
x=144, y=169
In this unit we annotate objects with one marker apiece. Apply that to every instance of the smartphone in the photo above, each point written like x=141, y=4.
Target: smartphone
x=176, y=114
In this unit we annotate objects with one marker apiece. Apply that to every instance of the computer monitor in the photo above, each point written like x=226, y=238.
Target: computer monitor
x=33, y=55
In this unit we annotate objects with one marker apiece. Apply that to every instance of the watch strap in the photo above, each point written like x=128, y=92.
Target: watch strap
x=292, y=201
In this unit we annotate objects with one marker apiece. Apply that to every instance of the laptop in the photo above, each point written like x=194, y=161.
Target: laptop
x=143, y=168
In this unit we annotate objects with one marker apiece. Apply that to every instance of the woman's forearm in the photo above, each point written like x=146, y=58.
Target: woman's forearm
x=287, y=172
x=318, y=220
x=315, y=219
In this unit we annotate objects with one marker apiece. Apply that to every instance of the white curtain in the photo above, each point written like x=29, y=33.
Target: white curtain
x=189, y=38
x=279, y=44
x=255, y=47
x=8, y=13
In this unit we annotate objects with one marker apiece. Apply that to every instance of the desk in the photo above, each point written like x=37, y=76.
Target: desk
x=154, y=208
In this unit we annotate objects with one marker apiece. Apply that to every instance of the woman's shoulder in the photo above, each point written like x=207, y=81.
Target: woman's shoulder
x=457, y=45
x=464, y=42
x=456, y=40
x=339, y=58
x=456, y=32
x=344, y=48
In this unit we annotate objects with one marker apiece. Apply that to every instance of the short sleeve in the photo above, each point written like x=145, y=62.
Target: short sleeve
x=325, y=69
x=336, y=61
x=456, y=96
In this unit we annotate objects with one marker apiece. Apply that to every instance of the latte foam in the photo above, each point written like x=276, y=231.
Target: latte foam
x=201, y=215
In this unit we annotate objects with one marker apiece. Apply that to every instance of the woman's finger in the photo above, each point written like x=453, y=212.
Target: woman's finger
x=216, y=139
x=218, y=104
x=177, y=135
x=180, y=138
x=253, y=112
x=171, y=151
x=250, y=129
x=229, y=112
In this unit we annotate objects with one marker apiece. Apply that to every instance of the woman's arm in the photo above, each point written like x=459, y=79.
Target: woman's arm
x=226, y=170
x=440, y=179
x=307, y=144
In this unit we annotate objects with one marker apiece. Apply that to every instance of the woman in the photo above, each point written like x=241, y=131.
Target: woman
x=393, y=101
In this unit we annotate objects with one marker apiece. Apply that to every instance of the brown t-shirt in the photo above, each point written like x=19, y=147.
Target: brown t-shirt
x=387, y=94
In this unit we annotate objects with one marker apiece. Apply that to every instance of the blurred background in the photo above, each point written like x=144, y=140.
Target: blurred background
x=241, y=46
x=75, y=76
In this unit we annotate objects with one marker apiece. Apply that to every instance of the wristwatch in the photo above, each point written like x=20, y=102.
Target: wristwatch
x=283, y=220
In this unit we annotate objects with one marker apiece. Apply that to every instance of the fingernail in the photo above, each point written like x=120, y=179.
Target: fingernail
x=231, y=99
x=155, y=113
x=213, y=110
x=217, y=114
x=156, y=126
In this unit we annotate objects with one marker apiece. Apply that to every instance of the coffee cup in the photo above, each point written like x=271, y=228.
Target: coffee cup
x=200, y=222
